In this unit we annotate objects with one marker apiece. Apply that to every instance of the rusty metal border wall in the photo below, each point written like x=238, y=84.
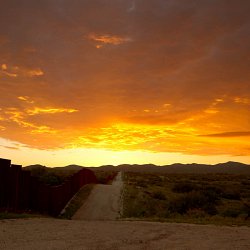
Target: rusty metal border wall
x=21, y=192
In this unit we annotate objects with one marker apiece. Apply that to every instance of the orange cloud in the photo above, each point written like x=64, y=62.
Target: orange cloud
x=21, y=117
x=242, y=100
x=35, y=72
x=211, y=111
x=229, y=134
x=108, y=39
x=42, y=130
x=16, y=71
x=25, y=99
x=9, y=74
x=4, y=66
x=37, y=110
x=156, y=139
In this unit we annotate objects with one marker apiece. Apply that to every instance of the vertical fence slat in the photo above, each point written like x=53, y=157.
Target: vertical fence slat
x=33, y=199
x=24, y=193
x=14, y=186
x=4, y=177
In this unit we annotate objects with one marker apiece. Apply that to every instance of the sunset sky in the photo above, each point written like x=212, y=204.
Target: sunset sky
x=96, y=82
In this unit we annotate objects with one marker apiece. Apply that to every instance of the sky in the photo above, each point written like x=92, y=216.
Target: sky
x=94, y=82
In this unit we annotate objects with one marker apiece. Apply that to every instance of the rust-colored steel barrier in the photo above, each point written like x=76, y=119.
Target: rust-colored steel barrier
x=19, y=191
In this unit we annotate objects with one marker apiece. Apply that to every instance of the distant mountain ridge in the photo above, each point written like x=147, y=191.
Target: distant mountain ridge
x=193, y=168
x=38, y=166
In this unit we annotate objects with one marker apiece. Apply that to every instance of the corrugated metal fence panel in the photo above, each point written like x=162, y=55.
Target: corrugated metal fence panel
x=19, y=191
x=4, y=177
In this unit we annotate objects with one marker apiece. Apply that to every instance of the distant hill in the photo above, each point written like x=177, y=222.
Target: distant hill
x=39, y=170
x=40, y=167
x=32, y=167
x=52, y=176
x=227, y=168
x=70, y=168
x=36, y=170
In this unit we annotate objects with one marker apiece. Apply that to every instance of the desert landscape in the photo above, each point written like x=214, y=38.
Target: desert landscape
x=113, y=216
x=125, y=124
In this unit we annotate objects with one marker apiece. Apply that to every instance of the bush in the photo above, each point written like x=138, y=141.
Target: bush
x=231, y=194
x=159, y=195
x=196, y=213
x=51, y=179
x=212, y=194
x=231, y=213
x=210, y=209
x=184, y=187
x=191, y=200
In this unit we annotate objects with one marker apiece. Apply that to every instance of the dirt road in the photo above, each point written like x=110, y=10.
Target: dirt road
x=103, y=203
x=43, y=234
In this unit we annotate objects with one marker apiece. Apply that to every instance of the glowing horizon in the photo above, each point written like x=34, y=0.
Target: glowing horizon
x=96, y=83
x=84, y=157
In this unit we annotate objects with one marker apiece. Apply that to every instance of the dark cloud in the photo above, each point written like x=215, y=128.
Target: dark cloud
x=229, y=134
x=7, y=147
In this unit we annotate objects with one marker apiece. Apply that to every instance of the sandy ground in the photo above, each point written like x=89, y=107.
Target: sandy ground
x=103, y=203
x=111, y=235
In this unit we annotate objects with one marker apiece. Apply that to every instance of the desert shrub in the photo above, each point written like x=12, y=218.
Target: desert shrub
x=184, y=187
x=212, y=194
x=231, y=213
x=245, y=194
x=196, y=213
x=104, y=177
x=159, y=195
x=210, y=209
x=213, y=189
x=141, y=209
x=155, y=180
x=38, y=171
x=188, y=196
x=246, y=205
x=191, y=200
x=245, y=182
x=231, y=194
x=51, y=179
x=141, y=183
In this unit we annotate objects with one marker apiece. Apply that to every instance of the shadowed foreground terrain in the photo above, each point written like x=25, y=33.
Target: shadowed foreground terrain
x=111, y=235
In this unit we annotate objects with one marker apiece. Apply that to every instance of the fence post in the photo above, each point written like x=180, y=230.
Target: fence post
x=4, y=178
x=24, y=191
x=14, y=182
x=33, y=199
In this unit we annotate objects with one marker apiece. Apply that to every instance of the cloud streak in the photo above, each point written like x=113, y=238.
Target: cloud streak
x=230, y=134
x=108, y=40
x=37, y=110
x=16, y=71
